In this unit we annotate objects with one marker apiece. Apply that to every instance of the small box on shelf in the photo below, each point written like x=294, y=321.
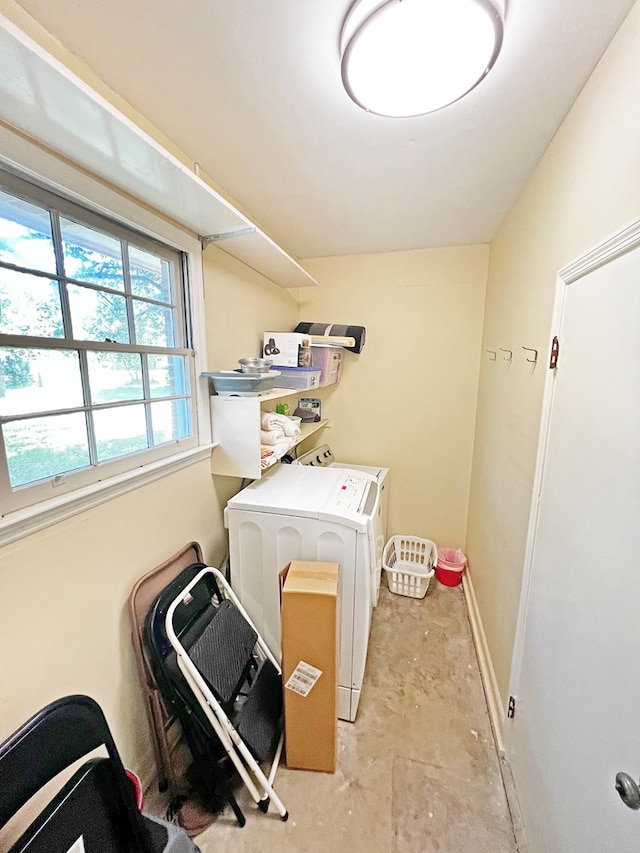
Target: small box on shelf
x=287, y=349
x=313, y=404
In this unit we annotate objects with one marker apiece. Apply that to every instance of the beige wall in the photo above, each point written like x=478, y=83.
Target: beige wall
x=240, y=305
x=64, y=624
x=408, y=400
x=586, y=187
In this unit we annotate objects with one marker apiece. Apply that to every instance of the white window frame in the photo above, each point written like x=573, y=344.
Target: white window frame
x=34, y=163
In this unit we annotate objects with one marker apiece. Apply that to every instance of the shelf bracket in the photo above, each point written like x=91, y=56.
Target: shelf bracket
x=226, y=235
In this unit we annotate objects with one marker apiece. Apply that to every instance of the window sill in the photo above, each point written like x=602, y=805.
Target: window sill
x=17, y=525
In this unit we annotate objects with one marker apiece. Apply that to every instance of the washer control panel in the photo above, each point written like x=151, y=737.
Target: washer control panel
x=350, y=494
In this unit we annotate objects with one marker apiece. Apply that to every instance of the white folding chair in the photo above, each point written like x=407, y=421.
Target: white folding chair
x=234, y=678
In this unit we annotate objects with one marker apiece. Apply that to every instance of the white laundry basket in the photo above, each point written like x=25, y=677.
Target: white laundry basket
x=409, y=564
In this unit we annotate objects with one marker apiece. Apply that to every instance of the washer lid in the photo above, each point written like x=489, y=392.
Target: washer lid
x=322, y=456
x=374, y=471
x=333, y=494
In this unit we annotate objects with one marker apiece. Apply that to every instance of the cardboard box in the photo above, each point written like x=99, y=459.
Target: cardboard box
x=329, y=360
x=310, y=648
x=287, y=349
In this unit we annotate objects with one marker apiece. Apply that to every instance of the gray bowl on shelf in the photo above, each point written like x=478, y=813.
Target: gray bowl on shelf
x=255, y=365
x=238, y=384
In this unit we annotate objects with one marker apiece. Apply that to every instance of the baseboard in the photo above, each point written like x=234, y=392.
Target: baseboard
x=487, y=673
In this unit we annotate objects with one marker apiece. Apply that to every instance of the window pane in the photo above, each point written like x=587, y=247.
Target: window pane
x=37, y=380
x=167, y=375
x=150, y=275
x=25, y=234
x=98, y=316
x=76, y=290
x=170, y=421
x=115, y=376
x=41, y=448
x=91, y=256
x=153, y=324
x=29, y=305
x=120, y=431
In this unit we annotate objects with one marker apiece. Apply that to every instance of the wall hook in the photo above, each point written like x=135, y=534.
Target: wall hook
x=507, y=357
x=492, y=354
x=535, y=354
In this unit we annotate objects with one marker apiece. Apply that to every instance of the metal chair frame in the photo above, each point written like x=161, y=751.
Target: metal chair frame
x=258, y=784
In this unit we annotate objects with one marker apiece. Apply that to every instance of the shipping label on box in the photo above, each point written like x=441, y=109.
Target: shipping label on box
x=287, y=349
x=303, y=678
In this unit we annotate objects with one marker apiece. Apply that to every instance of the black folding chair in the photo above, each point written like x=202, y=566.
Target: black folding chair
x=96, y=810
x=220, y=679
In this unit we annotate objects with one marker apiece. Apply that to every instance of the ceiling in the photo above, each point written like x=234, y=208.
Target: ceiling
x=251, y=90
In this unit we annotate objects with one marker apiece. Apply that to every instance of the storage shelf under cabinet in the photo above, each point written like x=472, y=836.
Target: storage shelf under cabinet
x=236, y=431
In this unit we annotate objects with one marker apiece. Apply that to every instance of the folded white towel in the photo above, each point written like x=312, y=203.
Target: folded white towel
x=274, y=420
x=272, y=436
x=292, y=429
x=270, y=420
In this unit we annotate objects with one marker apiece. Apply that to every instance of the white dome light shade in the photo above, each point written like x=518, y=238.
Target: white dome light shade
x=410, y=57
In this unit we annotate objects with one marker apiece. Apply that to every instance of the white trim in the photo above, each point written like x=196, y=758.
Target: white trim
x=545, y=420
x=605, y=252
x=22, y=523
x=487, y=672
x=623, y=241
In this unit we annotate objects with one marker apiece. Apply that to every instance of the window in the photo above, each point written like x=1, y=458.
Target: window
x=96, y=373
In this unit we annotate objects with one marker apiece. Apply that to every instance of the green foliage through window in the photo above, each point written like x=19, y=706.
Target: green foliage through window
x=94, y=359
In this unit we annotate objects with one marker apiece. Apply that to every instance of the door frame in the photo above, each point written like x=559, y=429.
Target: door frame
x=620, y=243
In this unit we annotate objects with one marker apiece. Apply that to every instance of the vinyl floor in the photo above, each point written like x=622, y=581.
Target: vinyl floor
x=417, y=772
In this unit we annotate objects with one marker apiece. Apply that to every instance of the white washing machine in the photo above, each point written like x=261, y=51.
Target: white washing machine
x=301, y=512
x=322, y=457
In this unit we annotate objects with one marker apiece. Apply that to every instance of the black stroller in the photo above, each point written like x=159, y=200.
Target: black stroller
x=221, y=681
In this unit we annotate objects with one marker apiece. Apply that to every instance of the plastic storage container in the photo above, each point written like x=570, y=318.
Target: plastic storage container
x=299, y=378
x=409, y=564
x=329, y=361
x=451, y=565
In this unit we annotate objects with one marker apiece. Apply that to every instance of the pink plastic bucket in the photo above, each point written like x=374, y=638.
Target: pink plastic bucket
x=450, y=566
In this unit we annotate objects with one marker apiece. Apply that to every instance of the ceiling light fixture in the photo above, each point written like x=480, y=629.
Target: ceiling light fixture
x=411, y=57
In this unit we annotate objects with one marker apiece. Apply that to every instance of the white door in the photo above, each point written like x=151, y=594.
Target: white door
x=577, y=718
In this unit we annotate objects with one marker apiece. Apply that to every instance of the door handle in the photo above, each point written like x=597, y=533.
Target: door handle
x=628, y=790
